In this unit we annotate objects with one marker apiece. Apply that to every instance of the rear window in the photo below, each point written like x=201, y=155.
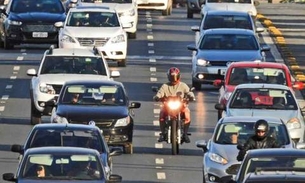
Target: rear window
x=227, y=21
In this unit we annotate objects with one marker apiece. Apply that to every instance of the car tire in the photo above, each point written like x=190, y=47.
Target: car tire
x=6, y=44
x=196, y=85
x=122, y=63
x=190, y=14
x=128, y=148
x=35, y=115
x=132, y=35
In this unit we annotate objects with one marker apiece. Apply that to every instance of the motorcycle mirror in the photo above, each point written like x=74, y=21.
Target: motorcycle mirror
x=192, y=89
x=154, y=88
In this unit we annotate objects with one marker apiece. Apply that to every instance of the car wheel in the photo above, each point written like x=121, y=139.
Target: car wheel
x=128, y=149
x=6, y=44
x=196, y=85
x=122, y=63
x=132, y=35
x=35, y=115
x=190, y=14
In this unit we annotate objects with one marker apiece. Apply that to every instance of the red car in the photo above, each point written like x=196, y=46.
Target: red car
x=253, y=72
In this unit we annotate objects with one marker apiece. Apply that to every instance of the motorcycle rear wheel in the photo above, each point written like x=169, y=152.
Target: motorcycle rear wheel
x=174, y=140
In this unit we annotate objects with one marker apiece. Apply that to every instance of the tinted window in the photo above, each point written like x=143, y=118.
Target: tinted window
x=48, y=6
x=93, y=19
x=73, y=65
x=230, y=1
x=227, y=21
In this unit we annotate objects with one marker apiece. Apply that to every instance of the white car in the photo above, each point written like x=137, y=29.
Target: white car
x=58, y=66
x=165, y=6
x=248, y=6
x=127, y=10
x=94, y=26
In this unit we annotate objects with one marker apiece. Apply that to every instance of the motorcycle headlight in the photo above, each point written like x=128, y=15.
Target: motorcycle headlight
x=227, y=95
x=122, y=122
x=45, y=88
x=59, y=119
x=68, y=39
x=218, y=159
x=202, y=62
x=13, y=22
x=293, y=123
x=118, y=39
x=174, y=105
x=131, y=12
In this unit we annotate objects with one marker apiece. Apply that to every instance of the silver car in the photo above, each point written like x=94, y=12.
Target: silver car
x=217, y=48
x=267, y=100
x=220, y=152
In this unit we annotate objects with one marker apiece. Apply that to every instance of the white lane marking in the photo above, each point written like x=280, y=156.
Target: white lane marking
x=152, y=60
x=4, y=97
x=159, y=161
x=23, y=50
x=150, y=37
x=158, y=145
x=156, y=111
x=20, y=58
x=153, y=69
x=2, y=108
x=150, y=44
x=149, y=20
x=15, y=73
x=13, y=77
x=157, y=134
x=148, y=25
x=151, y=51
x=153, y=74
x=8, y=86
x=156, y=122
x=23, y=53
x=16, y=68
x=153, y=79
x=147, y=12
x=159, y=167
x=160, y=57
x=161, y=175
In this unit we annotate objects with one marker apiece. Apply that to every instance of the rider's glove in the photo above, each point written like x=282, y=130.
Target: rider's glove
x=156, y=98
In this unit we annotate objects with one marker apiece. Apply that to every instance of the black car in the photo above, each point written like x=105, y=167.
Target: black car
x=69, y=135
x=104, y=102
x=30, y=21
x=47, y=164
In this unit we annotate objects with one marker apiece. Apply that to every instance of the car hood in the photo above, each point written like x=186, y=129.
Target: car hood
x=285, y=115
x=92, y=32
x=119, y=7
x=229, y=152
x=38, y=16
x=91, y=112
x=231, y=7
x=60, y=79
x=223, y=55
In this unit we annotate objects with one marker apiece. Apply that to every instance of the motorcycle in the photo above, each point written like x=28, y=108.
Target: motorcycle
x=174, y=120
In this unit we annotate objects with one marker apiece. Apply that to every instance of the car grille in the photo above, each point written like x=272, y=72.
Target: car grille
x=233, y=169
x=93, y=41
x=218, y=63
x=98, y=122
x=38, y=28
x=57, y=88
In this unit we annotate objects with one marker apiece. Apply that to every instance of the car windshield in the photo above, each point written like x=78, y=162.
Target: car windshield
x=67, y=137
x=241, y=75
x=47, y=6
x=107, y=1
x=240, y=132
x=58, y=166
x=102, y=95
x=273, y=164
x=227, y=21
x=93, y=19
x=73, y=65
x=228, y=42
x=263, y=98
x=230, y=1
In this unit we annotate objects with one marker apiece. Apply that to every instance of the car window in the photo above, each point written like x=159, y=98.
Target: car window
x=229, y=42
x=73, y=65
x=263, y=98
x=102, y=95
x=70, y=138
x=49, y=6
x=93, y=19
x=62, y=167
x=243, y=75
x=227, y=21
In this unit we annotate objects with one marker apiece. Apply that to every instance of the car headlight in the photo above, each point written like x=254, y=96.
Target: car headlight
x=218, y=159
x=131, y=12
x=59, y=119
x=293, y=123
x=227, y=95
x=202, y=62
x=66, y=38
x=118, y=39
x=13, y=22
x=122, y=122
x=45, y=88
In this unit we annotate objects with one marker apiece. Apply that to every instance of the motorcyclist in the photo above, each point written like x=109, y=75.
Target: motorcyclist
x=260, y=140
x=171, y=88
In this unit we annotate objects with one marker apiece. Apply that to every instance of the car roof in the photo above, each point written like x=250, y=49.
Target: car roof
x=276, y=152
x=258, y=64
x=250, y=119
x=91, y=7
x=229, y=31
x=81, y=82
x=65, y=126
x=262, y=85
x=226, y=12
x=60, y=149
x=71, y=52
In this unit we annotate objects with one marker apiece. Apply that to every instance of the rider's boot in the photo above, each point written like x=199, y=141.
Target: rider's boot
x=186, y=138
x=163, y=134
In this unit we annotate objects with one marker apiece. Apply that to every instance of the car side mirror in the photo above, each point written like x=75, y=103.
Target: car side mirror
x=202, y=144
x=31, y=72
x=115, y=74
x=300, y=145
x=195, y=28
x=259, y=30
x=9, y=177
x=115, y=151
x=265, y=48
x=59, y=24
x=192, y=47
x=115, y=178
x=298, y=85
x=135, y=105
x=155, y=89
x=17, y=148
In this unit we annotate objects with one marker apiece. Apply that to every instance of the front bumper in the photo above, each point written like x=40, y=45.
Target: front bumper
x=208, y=74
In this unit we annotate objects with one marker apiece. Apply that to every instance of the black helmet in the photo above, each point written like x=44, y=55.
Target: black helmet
x=261, y=125
x=173, y=75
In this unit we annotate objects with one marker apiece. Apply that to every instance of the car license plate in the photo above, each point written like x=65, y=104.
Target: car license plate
x=222, y=71
x=40, y=34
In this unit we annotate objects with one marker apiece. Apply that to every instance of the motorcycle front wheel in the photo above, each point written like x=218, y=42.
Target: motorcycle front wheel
x=174, y=140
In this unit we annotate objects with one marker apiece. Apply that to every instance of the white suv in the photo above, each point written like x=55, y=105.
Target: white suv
x=92, y=25
x=61, y=65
